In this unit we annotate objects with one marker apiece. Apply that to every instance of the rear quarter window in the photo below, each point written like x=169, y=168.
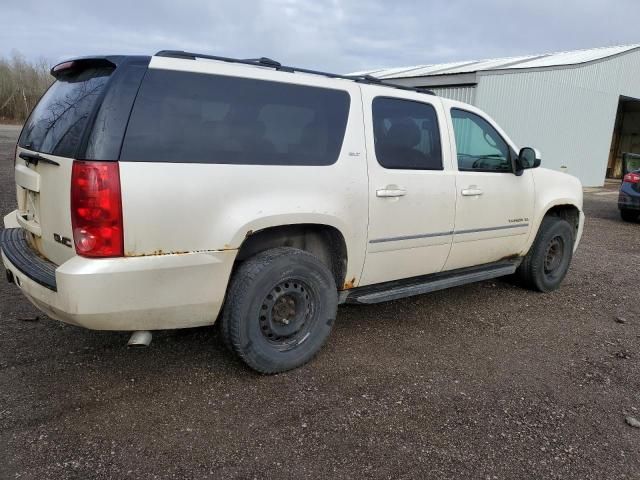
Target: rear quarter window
x=57, y=123
x=183, y=117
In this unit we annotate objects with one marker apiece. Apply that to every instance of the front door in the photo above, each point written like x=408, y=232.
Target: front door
x=494, y=207
x=411, y=186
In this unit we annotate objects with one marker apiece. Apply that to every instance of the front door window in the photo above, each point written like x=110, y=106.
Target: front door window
x=480, y=147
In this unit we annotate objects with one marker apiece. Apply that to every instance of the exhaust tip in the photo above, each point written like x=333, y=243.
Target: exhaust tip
x=141, y=338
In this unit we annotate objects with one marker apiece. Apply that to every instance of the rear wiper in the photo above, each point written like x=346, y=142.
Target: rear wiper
x=34, y=158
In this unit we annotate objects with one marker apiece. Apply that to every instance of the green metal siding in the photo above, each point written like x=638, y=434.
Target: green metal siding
x=466, y=94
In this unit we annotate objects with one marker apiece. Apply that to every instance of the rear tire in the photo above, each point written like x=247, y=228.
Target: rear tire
x=280, y=308
x=547, y=263
x=629, y=215
x=225, y=335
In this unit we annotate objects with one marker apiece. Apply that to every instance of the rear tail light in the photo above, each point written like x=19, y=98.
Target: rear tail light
x=632, y=178
x=96, y=209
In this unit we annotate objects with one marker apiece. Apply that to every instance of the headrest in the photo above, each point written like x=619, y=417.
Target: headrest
x=403, y=134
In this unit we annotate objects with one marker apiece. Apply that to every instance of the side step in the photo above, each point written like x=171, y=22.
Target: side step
x=384, y=292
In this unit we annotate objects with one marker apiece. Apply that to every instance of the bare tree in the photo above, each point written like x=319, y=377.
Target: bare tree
x=22, y=83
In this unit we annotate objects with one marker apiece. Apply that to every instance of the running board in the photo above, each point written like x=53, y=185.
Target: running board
x=384, y=292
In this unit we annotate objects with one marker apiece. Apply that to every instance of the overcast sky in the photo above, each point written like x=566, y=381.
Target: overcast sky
x=341, y=36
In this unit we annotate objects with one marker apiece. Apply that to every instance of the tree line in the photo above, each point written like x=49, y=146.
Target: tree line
x=22, y=83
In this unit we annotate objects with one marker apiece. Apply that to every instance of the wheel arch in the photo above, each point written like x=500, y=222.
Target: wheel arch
x=326, y=242
x=566, y=209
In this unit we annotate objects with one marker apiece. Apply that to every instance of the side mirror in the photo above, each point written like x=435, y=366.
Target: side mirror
x=528, y=158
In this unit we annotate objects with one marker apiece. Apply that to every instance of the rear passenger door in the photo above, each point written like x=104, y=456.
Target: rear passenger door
x=411, y=185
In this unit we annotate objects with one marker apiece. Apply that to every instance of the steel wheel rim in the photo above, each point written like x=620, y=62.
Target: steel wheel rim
x=287, y=314
x=554, y=255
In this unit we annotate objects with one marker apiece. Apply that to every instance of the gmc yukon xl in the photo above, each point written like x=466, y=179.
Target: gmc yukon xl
x=179, y=189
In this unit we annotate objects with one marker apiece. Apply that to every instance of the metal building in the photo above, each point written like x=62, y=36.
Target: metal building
x=580, y=108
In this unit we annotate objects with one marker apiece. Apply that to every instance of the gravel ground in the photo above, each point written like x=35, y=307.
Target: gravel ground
x=484, y=381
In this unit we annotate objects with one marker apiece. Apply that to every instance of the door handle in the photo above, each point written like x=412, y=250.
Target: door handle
x=472, y=192
x=391, y=192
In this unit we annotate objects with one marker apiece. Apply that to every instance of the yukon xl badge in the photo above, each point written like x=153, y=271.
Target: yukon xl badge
x=63, y=240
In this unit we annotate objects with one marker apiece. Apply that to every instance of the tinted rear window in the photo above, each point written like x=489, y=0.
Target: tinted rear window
x=201, y=118
x=58, y=122
x=406, y=134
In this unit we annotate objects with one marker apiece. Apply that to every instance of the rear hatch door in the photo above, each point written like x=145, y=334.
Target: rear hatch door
x=68, y=123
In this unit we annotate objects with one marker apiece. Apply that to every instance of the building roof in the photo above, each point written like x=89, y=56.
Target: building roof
x=547, y=60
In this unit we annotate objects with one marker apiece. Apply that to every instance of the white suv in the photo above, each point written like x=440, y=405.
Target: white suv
x=164, y=192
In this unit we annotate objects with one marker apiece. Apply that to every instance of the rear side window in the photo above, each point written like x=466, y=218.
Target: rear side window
x=200, y=118
x=58, y=122
x=406, y=134
x=105, y=140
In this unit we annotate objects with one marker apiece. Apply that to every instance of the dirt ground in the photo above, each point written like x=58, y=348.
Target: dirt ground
x=485, y=381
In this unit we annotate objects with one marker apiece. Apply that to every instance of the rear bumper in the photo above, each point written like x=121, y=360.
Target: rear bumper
x=16, y=248
x=629, y=199
x=131, y=293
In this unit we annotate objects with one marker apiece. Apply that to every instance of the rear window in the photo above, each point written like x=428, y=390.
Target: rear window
x=200, y=118
x=58, y=122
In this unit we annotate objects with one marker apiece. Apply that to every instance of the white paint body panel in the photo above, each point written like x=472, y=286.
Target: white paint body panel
x=145, y=293
x=218, y=206
x=44, y=196
x=501, y=227
x=553, y=189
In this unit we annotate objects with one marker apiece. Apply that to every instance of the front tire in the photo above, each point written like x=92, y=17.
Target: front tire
x=547, y=263
x=280, y=308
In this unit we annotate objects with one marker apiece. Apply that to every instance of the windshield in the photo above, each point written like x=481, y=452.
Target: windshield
x=632, y=162
x=57, y=123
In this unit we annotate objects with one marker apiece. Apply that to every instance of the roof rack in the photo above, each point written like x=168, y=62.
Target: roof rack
x=268, y=62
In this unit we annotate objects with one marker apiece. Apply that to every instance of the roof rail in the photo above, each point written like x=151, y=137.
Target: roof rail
x=268, y=62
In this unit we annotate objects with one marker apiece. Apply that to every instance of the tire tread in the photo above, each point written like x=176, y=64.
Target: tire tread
x=529, y=272
x=238, y=294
